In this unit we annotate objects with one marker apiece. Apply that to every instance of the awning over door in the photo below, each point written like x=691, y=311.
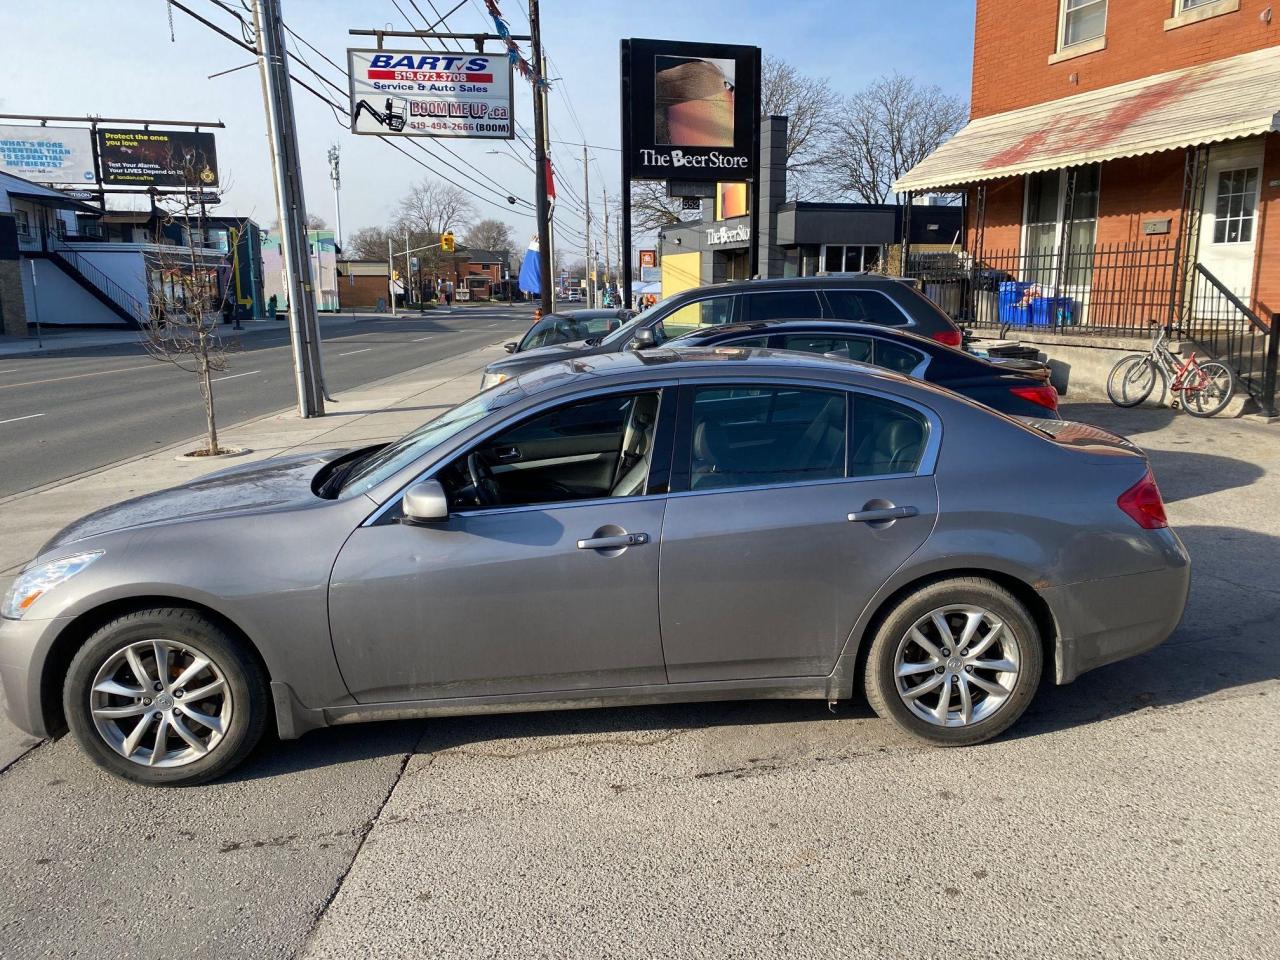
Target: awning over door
x=1223, y=100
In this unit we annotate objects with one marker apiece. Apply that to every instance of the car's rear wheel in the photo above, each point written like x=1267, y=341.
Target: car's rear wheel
x=165, y=696
x=955, y=663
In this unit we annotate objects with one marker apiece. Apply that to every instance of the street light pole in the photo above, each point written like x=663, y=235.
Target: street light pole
x=540, y=161
x=589, y=263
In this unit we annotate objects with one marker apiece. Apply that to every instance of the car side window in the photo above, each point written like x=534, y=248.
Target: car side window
x=848, y=348
x=784, y=305
x=711, y=312
x=584, y=450
x=865, y=306
x=888, y=437
x=745, y=342
x=894, y=357
x=746, y=436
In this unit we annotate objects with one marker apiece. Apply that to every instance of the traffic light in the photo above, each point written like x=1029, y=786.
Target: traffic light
x=447, y=244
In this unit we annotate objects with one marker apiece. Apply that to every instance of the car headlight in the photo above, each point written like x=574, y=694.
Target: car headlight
x=492, y=380
x=33, y=584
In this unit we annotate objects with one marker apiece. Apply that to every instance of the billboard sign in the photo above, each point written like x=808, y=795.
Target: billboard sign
x=690, y=111
x=62, y=155
x=157, y=158
x=409, y=93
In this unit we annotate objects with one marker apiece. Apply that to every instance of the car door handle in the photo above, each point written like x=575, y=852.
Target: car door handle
x=509, y=455
x=614, y=542
x=883, y=513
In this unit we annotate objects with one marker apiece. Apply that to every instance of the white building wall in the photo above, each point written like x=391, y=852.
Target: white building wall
x=55, y=299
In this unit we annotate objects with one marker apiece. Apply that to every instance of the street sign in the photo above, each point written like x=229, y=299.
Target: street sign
x=409, y=93
x=61, y=155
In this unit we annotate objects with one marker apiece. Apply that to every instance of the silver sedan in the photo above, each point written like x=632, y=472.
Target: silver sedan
x=673, y=525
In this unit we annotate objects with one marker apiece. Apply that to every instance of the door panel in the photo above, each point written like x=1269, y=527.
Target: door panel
x=768, y=582
x=499, y=602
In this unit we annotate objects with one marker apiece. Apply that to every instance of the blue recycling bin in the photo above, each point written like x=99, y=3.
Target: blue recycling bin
x=1011, y=308
x=1051, y=311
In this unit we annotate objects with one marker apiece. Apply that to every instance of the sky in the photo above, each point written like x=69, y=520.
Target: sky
x=72, y=57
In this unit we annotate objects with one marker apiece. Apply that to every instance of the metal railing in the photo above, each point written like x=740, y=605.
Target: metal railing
x=97, y=278
x=1216, y=321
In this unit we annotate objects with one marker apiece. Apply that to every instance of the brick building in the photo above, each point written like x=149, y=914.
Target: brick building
x=483, y=272
x=1144, y=132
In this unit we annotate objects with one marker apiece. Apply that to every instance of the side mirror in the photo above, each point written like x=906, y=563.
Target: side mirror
x=510, y=347
x=425, y=503
x=643, y=339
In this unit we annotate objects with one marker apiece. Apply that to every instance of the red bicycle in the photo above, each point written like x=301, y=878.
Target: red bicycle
x=1205, y=388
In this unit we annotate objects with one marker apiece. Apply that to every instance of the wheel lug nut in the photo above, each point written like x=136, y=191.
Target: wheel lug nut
x=946, y=652
x=158, y=685
x=146, y=701
x=955, y=679
x=964, y=653
x=156, y=714
x=177, y=693
x=968, y=669
x=937, y=669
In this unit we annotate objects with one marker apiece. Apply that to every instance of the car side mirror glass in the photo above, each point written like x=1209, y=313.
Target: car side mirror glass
x=425, y=502
x=510, y=347
x=643, y=339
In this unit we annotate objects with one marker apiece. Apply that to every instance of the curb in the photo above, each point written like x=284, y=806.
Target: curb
x=176, y=447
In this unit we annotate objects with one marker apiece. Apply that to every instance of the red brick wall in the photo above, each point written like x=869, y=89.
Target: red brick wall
x=1003, y=232
x=361, y=291
x=1134, y=189
x=1013, y=40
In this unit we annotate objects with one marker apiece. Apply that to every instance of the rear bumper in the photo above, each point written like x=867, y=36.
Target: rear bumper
x=1102, y=621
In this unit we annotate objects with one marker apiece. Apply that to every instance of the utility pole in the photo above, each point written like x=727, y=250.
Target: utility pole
x=391, y=278
x=282, y=138
x=540, y=160
x=589, y=261
x=407, y=271
x=608, y=255
x=335, y=176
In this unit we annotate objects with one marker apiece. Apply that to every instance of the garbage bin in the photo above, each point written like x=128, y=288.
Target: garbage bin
x=1013, y=311
x=1051, y=311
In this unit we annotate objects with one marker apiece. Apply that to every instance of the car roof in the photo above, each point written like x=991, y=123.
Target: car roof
x=666, y=362
x=781, y=325
x=591, y=314
x=835, y=280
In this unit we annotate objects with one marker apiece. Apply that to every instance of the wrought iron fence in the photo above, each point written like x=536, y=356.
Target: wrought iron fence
x=1217, y=322
x=1091, y=290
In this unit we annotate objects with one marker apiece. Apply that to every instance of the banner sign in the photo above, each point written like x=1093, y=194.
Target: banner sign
x=648, y=258
x=157, y=158
x=61, y=155
x=691, y=111
x=409, y=93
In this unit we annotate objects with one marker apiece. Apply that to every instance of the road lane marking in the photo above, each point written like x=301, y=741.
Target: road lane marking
x=352, y=352
x=420, y=339
x=79, y=376
x=29, y=416
x=234, y=375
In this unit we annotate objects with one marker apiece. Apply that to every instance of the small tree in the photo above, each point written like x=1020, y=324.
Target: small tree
x=188, y=303
x=488, y=234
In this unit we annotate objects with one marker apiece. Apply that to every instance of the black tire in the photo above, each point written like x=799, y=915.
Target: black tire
x=1219, y=388
x=244, y=680
x=1132, y=379
x=881, y=681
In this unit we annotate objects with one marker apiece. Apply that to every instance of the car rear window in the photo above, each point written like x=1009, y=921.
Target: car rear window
x=865, y=306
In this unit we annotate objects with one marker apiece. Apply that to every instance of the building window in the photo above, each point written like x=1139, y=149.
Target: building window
x=23, y=222
x=1081, y=21
x=1194, y=11
x=1237, y=198
x=1046, y=210
x=850, y=258
x=1184, y=5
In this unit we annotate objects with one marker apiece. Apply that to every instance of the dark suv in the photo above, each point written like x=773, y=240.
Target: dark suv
x=860, y=297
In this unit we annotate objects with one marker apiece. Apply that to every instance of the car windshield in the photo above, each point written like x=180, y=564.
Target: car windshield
x=394, y=457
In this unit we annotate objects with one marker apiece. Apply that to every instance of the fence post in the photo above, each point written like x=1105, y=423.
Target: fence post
x=1269, y=369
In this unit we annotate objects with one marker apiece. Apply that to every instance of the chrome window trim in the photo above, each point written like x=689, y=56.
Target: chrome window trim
x=427, y=473
x=797, y=483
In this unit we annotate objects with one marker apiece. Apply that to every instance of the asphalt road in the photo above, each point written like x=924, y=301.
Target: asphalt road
x=1129, y=814
x=66, y=413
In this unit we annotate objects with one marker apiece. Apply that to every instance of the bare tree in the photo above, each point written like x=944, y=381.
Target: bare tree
x=809, y=105
x=368, y=243
x=432, y=206
x=883, y=131
x=316, y=222
x=186, y=306
x=488, y=234
x=651, y=208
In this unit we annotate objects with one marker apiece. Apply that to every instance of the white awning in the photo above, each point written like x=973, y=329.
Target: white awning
x=1223, y=100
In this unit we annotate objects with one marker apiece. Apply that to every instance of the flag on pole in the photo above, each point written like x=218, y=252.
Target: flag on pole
x=530, y=270
x=551, y=185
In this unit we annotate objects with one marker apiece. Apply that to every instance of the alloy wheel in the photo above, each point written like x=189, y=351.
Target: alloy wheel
x=956, y=666
x=160, y=703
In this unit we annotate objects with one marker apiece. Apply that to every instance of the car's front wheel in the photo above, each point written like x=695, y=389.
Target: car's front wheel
x=165, y=697
x=955, y=663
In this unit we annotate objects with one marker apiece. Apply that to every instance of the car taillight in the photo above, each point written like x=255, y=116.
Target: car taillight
x=1142, y=502
x=952, y=338
x=1042, y=396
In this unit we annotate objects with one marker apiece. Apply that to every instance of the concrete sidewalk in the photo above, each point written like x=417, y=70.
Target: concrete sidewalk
x=383, y=410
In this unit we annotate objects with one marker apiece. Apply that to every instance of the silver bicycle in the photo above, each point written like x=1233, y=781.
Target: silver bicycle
x=1202, y=388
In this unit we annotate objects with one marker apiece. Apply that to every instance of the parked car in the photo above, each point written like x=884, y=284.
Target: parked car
x=654, y=526
x=569, y=326
x=1015, y=387
x=863, y=298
